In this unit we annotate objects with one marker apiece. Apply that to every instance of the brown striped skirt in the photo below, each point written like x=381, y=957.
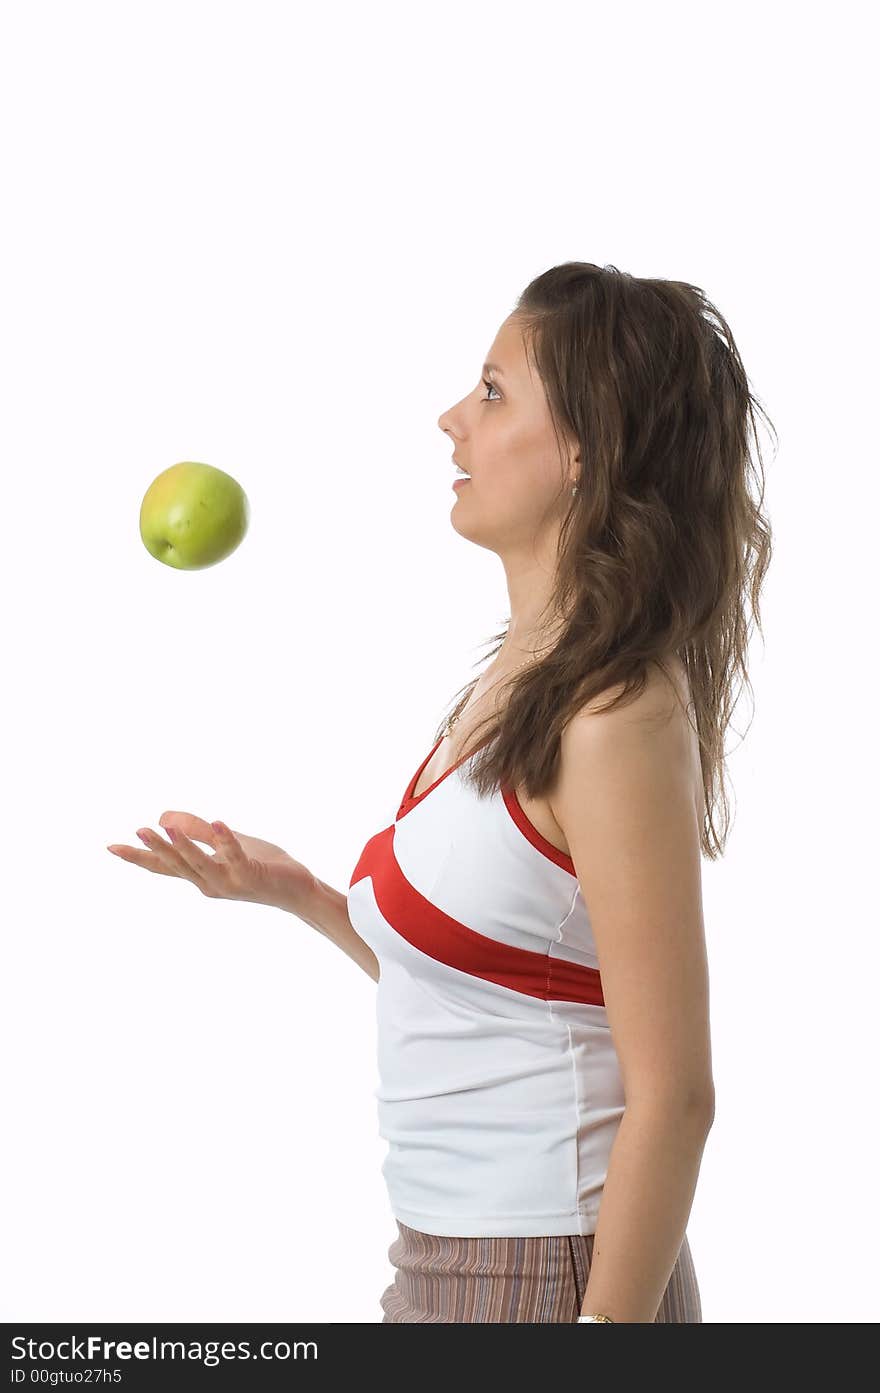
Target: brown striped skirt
x=440, y=1279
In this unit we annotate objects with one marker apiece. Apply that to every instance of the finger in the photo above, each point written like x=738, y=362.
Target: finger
x=202, y=865
x=228, y=843
x=196, y=828
x=185, y=864
x=146, y=859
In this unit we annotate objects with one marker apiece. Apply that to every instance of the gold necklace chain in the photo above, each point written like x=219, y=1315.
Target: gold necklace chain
x=455, y=719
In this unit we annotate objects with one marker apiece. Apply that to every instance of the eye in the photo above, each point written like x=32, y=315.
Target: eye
x=492, y=388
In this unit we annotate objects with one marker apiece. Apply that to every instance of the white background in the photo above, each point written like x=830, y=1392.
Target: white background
x=280, y=240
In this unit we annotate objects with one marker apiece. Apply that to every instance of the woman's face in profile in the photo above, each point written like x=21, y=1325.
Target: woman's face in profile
x=502, y=434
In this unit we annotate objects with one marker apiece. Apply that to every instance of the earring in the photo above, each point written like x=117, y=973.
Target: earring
x=574, y=490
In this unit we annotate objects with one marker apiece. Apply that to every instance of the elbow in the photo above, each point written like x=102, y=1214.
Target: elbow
x=706, y=1105
x=694, y=1103
x=698, y=1101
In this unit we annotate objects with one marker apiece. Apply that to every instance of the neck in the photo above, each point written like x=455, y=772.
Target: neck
x=530, y=585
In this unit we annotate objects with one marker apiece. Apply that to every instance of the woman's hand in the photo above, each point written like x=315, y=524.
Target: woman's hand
x=241, y=868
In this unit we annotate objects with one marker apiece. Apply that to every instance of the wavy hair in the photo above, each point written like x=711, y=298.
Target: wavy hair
x=663, y=549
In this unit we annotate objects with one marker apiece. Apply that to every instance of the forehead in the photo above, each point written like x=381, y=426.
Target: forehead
x=507, y=357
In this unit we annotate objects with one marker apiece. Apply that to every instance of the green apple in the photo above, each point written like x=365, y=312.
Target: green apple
x=193, y=516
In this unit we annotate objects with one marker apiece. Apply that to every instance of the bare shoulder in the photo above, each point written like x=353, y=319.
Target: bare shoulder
x=662, y=703
x=647, y=731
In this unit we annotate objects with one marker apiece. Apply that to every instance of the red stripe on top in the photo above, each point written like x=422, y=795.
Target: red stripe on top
x=410, y=799
x=511, y=802
x=448, y=941
x=528, y=829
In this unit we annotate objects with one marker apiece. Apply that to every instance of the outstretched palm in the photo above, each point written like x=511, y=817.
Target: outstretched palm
x=241, y=867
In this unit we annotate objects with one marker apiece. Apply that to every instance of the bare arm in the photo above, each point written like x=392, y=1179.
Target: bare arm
x=625, y=802
x=326, y=910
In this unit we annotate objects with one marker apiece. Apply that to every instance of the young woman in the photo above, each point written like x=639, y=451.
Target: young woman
x=533, y=915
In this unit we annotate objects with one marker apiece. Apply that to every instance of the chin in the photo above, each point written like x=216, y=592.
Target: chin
x=470, y=531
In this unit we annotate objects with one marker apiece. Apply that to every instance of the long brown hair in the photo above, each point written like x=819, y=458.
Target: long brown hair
x=663, y=549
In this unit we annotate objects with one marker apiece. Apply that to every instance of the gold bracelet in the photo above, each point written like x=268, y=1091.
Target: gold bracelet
x=606, y=1318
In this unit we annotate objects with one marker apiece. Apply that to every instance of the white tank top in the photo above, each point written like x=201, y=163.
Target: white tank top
x=500, y=1092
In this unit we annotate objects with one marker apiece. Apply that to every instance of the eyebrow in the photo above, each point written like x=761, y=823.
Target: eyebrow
x=493, y=367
